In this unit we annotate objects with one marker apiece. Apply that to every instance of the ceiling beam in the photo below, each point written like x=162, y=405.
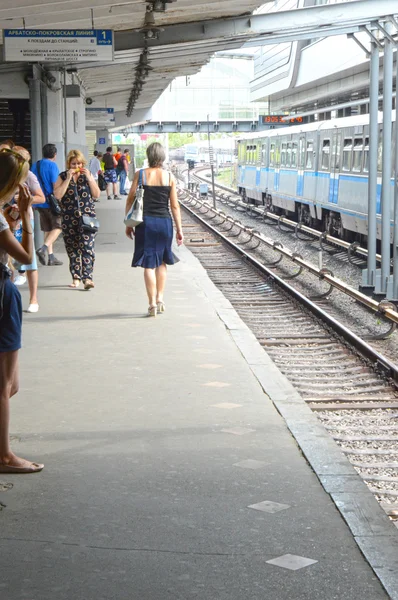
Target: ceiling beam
x=314, y=21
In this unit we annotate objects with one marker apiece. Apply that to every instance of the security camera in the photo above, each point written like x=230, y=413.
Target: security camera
x=89, y=100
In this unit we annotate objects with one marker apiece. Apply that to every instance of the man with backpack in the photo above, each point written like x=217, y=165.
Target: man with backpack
x=110, y=176
x=47, y=171
x=122, y=170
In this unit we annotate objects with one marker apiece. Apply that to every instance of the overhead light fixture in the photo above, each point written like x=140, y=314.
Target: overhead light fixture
x=159, y=6
x=150, y=31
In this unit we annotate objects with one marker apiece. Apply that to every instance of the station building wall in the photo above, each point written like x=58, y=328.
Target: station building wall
x=15, y=85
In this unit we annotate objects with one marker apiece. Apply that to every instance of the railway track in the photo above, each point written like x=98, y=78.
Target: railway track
x=385, y=318
x=351, y=387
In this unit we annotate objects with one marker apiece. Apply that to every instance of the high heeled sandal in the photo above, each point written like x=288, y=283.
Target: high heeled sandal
x=161, y=307
x=152, y=311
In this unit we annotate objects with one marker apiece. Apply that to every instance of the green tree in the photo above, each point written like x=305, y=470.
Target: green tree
x=177, y=140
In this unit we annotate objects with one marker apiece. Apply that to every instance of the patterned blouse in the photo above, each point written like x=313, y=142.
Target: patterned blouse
x=77, y=191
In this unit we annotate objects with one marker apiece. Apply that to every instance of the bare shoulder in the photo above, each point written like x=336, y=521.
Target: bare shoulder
x=172, y=179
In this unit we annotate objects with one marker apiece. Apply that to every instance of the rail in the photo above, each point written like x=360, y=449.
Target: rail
x=386, y=309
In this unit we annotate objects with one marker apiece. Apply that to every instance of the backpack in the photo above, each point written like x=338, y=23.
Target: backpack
x=120, y=165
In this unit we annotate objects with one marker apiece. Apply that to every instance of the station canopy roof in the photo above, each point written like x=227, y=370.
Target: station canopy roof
x=111, y=84
x=158, y=40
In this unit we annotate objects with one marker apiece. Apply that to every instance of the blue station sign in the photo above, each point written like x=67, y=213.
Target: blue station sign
x=58, y=45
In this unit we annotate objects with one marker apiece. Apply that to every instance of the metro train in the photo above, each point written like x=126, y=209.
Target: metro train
x=223, y=152
x=318, y=172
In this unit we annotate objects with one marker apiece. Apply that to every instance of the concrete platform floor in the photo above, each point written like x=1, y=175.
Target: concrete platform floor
x=157, y=438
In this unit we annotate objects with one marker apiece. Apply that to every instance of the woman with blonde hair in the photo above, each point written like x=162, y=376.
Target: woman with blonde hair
x=75, y=189
x=154, y=236
x=13, y=173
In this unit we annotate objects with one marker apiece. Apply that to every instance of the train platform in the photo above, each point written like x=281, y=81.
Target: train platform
x=169, y=473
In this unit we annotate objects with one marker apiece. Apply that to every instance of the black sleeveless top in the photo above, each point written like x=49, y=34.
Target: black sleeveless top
x=156, y=200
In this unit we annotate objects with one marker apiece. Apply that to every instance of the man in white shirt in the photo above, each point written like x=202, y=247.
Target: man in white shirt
x=95, y=165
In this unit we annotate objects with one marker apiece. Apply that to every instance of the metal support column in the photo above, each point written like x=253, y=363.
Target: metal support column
x=213, y=187
x=65, y=119
x=35, y=111
x=36, y=132
x=386, y=171
x=44, y=113
x=373, y=151
x=395, y=262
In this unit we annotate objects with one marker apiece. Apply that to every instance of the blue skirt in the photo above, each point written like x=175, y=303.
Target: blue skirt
x=153, y=239
x=10, y=316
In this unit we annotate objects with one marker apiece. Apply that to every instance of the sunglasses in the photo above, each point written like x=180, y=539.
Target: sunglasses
x=18, y=156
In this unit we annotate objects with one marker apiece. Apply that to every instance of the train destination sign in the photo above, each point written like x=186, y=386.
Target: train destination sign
x=58, y=45
x=281, y=120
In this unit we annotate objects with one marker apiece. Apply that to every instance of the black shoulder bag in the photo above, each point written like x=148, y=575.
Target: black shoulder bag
x=90, y=224
x=51, y=199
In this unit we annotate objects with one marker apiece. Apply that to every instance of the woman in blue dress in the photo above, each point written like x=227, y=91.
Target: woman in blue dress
x=154, y=236
x=14, y=170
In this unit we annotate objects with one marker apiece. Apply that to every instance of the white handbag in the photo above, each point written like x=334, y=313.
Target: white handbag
x=135, y=215
x=127, y=185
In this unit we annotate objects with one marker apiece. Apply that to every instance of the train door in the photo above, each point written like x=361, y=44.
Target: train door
x=257, y=161
x=335, y=167
x=264, y=164
x=277, y=164
x=300, y=166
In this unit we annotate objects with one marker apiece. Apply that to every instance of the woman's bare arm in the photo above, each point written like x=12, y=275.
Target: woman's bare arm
x=22, y=252
x=94, y=189
x=61, y=185
x=133, y=189
x=175, y=209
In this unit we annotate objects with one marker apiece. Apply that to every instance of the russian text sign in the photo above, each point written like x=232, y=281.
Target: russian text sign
x=100, y=117
x=58, y=45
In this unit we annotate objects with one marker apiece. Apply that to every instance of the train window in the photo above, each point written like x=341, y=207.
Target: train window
x=302, y=154
x=347, y=154
x=283, y=155
x=264, y=154
x=326, y=155
x=289, y=155
x=294, y=155
x=309, y=160
x=272, y=156
x=358, y=151
x=366, y=156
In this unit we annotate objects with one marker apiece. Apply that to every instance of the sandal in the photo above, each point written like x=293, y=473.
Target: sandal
x=152, y=310
x=88, y=284
x=75, y=284
x=161, y=307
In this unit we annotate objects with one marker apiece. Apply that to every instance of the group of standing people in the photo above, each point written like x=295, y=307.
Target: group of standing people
x=114, y=168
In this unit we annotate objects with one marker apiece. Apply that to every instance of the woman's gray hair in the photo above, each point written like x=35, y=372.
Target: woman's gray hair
x=156, y=154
